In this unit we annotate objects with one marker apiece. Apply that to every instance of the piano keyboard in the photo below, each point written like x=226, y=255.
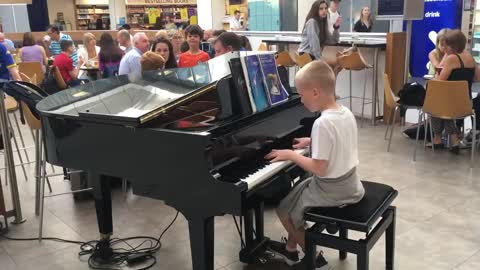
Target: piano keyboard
x=269, y=170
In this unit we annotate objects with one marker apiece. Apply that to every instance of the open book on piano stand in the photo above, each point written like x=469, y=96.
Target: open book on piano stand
x=178, y=138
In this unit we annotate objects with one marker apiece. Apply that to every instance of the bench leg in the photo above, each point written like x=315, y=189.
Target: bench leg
x=390, y=241
x=362, y=260
x=343, y=235
x=310, y=252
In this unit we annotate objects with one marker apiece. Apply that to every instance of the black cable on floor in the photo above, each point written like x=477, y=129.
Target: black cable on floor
x=117, y=256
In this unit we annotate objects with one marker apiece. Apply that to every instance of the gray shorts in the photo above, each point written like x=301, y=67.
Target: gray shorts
x=320, y=192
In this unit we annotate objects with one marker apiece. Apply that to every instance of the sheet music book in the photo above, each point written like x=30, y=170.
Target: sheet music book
x=245, y=99
x=276, y=92
x=253, y=71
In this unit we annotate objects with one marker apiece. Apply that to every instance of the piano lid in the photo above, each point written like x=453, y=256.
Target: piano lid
x=127, y=100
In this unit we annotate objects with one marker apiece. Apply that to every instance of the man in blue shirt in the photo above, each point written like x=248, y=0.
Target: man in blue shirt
x=7, y=43
x=8, y=68
x=56, y=37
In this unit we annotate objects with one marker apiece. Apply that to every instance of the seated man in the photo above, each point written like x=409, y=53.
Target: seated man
x=8, y=68
x=227, y=42
x=65, y=64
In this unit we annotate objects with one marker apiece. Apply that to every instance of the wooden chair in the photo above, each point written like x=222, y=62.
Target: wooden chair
x=262, y=47
x=26, y=78
x=448, y=100
x=283, y=58
x=32, y=68
x=303, y=59
x=59, y=79
x=352, y=60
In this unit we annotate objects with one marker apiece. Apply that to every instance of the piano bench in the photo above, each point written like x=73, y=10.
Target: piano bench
x=373, y=215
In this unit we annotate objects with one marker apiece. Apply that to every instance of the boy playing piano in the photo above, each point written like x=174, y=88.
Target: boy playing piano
x=333, y=161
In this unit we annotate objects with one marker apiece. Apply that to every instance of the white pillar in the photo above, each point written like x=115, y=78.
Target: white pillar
x=210, y=13
x=117, y=9
x=303, y=9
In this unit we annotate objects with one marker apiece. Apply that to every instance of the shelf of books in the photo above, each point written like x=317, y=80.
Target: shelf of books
x=88, y=17
x=147, y=16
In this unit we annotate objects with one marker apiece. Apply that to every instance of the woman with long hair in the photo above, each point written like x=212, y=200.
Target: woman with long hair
x=164, y=48
x=365, y=22
x=31, y=52
x=90, y=49
x=436, y=55
x=315, y=34
x=109, y=56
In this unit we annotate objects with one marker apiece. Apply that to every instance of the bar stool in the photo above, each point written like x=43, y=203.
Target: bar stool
x=11, y=105
x=352, y=60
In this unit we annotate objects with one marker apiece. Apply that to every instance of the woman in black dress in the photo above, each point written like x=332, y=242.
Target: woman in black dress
x=365, y=22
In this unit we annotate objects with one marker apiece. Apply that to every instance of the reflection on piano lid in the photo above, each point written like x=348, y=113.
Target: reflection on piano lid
x=133, y=101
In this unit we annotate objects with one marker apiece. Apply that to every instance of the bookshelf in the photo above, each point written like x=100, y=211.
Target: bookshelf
x=87, y=15
x=144, y=16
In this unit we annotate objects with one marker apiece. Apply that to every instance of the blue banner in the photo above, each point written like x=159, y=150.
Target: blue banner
x=439, y=14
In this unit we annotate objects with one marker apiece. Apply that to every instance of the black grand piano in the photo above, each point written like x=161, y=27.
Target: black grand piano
x=180, y=136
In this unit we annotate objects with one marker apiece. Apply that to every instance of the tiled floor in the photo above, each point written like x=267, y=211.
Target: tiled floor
x=438, y=223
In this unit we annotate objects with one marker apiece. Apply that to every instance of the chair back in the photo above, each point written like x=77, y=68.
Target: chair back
x=262, y=47
x=25, y=78
x=11, y=104
x=32, y=68
x=284, y=59
x=352, y=60
x=389, y=95
x=33, y=122
x=448, y=99
x=58, y=78
x=303, y=59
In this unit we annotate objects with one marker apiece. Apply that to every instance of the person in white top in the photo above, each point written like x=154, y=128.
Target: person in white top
x=334, y=17
x=235, y=24
x=89, y=51
x=332, y=163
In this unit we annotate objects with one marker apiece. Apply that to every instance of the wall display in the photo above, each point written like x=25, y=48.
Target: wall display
x=439, y=14
x=161, y=2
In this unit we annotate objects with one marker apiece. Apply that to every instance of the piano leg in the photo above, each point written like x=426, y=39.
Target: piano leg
x=255, y=241
x=202, y=243
x=103, y=207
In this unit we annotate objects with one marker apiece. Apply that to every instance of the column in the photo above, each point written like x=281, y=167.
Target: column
x=210, y=13
x=118, y=9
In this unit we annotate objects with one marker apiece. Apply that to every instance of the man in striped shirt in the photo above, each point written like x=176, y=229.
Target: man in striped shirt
x=56, y=37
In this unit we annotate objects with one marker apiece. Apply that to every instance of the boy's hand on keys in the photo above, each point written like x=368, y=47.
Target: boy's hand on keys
x=299, y=143
x=279, y=155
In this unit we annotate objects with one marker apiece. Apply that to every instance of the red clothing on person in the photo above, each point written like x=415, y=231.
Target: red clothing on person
x=190, y=60
x=64, y=65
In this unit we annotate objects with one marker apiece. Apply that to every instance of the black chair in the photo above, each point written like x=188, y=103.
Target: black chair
x=363, y=217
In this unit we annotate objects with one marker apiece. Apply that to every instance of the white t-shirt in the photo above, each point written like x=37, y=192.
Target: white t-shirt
x=334, y=138
x=332, y=18
x=235, y=24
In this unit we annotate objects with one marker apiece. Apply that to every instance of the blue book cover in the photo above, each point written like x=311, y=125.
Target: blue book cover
x=276, y=92
x=252, y=69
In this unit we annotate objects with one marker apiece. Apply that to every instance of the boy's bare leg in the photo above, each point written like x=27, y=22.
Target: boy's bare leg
x=294, y=236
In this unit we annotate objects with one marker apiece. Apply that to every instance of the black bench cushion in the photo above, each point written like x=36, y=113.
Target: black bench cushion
x=376, y=200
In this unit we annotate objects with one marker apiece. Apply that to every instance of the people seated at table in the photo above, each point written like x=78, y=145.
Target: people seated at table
x=437, y=54
x=365, y=22
x=458, y=65
x=7, y=43
x=130, y=63
x=194, y=55
x=164, y=48
x=54, y=44
x=109, y=56
x=124, y=40
x=227, y=42
x=64, y=63
x=89, y=51
x=315, y=34
x=8, y=68
x=31, y=52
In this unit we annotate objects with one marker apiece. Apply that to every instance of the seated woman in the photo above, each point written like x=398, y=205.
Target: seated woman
x=31, y=52
x=89, y=51
x=458, y=65
x=109, y=57
x=437, y=54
